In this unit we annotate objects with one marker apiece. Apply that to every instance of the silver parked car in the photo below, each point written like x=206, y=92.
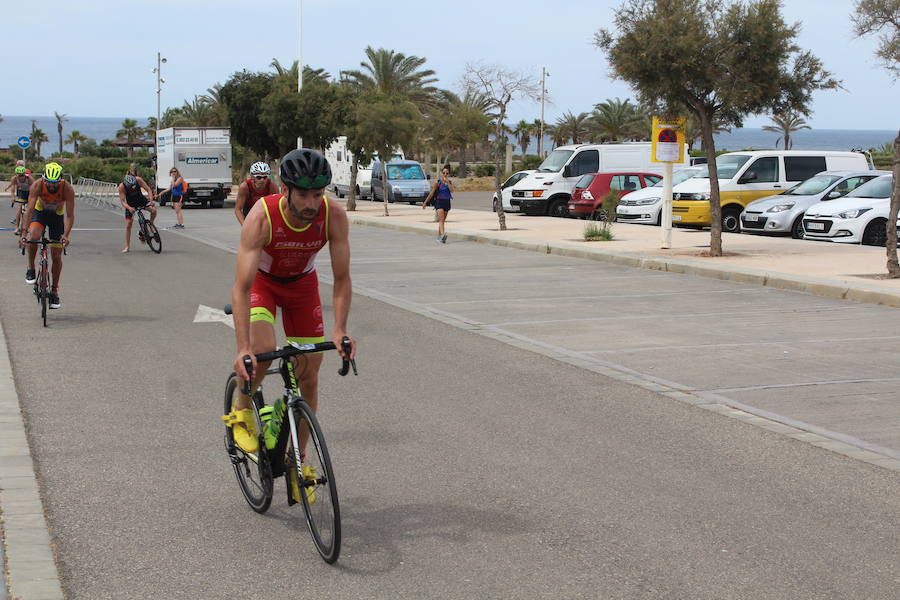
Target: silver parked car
x=783, y=213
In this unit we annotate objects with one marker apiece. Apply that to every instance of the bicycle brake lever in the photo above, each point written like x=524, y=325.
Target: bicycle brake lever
x=347, y=348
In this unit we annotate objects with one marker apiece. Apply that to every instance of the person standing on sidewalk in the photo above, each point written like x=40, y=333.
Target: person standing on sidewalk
x=442, y=192
x=178, y=189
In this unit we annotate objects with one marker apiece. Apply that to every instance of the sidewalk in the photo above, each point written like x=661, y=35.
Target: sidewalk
x=825, y=269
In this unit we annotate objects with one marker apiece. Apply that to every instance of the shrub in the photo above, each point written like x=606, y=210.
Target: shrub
x=484, y=170
x=598, y=231
x=531, y=161
x=607, y=210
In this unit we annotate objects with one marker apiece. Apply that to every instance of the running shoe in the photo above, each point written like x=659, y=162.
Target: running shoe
x=54, y=300
x=444, y=239
x=30, y=276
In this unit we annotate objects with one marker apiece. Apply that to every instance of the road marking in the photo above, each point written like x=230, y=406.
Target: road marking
x=208, y=314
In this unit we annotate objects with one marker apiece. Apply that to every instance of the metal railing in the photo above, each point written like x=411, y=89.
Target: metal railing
x=101, y=194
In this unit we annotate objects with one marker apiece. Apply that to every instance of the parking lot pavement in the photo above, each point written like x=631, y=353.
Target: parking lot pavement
x=824, y=269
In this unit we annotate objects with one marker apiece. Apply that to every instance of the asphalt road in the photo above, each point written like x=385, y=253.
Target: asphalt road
x=467, y=467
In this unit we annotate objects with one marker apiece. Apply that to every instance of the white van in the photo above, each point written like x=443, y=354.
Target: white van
x=340, y=159
x=548, y=190
x=749, y=175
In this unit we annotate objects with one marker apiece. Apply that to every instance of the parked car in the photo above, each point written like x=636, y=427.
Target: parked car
x=506, y=191
x=590, y=191
x=860, y=217
x=406, y=182
x=783, y=213
x=747, y=175
x=645, y=206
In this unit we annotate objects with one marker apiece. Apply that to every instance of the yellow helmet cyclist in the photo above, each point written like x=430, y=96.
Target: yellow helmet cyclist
x=52, y=172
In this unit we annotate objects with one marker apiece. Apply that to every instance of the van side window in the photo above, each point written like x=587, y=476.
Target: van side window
x=801, y=168
x=339, y=156
x=587, y=161
x=766, y=169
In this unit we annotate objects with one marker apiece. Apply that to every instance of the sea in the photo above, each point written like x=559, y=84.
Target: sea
x=102, y=128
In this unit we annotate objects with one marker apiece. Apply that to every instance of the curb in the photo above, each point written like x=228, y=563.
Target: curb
x=827, y=288
x=29, y=566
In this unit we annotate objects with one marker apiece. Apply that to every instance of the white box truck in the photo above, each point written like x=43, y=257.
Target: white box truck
x=340, y=160
x=203, y=157
x=547, y=191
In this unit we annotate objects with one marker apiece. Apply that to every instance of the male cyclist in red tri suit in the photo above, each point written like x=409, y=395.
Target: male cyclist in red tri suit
x=258, y=186
x=276, y=267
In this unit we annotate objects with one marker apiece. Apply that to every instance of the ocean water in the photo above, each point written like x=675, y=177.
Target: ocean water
x=99, y=128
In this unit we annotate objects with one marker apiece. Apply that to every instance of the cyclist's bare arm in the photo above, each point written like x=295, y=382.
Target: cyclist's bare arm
x=339, y=247
x=34, y=192
x=254, y=236
x=144, y=185
x=243, y=193
x=69, y=199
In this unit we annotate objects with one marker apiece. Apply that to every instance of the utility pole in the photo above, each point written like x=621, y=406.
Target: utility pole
x=544, y=74
x=300, y=58
x=159, y=81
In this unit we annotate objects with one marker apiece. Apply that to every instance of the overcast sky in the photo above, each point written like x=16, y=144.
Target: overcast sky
x=94, y=57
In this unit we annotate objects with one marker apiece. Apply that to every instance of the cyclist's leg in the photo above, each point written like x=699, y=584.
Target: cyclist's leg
x=35, y=230
x=57, y=228
x=152, y=210
x=303, y=323
x=129, y=221
x=262, y=331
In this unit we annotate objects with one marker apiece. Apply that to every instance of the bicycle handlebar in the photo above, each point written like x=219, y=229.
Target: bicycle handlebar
x=43, y=242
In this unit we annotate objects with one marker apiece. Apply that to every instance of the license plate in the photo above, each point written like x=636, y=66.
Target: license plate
x=816, y=226
x=751, y=218
x=203, y=192
x=676, y=217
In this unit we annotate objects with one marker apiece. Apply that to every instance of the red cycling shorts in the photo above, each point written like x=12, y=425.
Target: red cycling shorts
x=302, y=316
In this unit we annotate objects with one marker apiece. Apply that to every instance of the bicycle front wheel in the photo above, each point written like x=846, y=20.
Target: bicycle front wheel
x=43, y=294
x=252, y=469
x=318, y=490
x=151, y=234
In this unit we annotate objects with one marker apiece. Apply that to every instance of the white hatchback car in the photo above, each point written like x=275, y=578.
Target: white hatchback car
x=645, y=205
x=860, y=217
x=506, y=191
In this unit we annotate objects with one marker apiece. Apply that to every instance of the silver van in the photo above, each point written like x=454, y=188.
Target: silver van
x=406, y=182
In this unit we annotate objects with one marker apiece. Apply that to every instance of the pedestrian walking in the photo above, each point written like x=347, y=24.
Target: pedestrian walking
x=442, y=193
x=178, y=189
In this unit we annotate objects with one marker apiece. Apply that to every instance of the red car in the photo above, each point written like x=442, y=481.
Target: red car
x=593, y=187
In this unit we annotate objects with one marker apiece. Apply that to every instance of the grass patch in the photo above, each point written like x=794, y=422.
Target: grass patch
x=598, y=231
x=475, y=184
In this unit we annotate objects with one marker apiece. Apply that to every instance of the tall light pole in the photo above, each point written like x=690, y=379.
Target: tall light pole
x=299, y=57
x=159, y=81
x=541, y=133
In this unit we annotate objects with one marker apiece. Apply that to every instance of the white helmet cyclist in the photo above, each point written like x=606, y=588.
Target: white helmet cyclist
x=259, y=168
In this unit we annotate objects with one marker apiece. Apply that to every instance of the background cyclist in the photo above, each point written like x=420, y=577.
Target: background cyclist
x=130, y=197
x=276, y=267
x=251, y=190
x=49, y=199
x=19, y=186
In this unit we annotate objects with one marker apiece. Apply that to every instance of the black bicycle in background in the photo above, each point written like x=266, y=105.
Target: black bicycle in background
x=42, y=280
x=291, y=444
x=147, y=231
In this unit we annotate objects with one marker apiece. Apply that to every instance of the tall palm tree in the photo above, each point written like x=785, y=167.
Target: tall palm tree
x=392, y=73
x=59, y=127
x=38, y=137
x=523, y=135
x=216, y=106
x=618, y=120
x=786, y=123
x=574, y=127
x=309, y=74
x=75, y=138
x=131, y=132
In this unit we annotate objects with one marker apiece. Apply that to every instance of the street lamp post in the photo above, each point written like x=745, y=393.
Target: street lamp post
x=300, y=57
x=159, y=81
x=544, y=75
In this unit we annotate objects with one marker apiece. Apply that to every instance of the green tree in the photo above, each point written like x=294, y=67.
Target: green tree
x=785, y=124
x=574, y=127
x=60, y=118
x=75, y=138
x=523, y=131
x=728, y=60
x=309, y=114
x=242, y=94
x=393, y=74
x=883, y=17
x=382, y=124
x=131, y=132
x=500, y=87
x=615, y=119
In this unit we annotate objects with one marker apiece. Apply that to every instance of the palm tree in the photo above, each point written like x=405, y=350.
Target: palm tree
x=786, y=123
x=573, y=127
x=392, y=73
x=692, y=131
x=309, y=74
x=59, y=128
x=131, y=132
x=523, y=135
x=200, y=113
x=213, y=98
x=75, y=138
x=618, y=120
x=38, y=137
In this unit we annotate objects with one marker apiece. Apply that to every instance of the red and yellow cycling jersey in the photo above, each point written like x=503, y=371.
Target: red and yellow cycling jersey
x=291, y=252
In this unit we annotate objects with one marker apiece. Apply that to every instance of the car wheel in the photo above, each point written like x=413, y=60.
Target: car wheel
x=797, y=231
x=875, y=233
x=558, y=208
x=600, y=215
x=659, y=219
x=496, y=204
x=731, y=220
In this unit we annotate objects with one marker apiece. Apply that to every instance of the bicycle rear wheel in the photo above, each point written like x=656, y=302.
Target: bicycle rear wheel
x=151, y=236
x=320, y=505
x=253, y=471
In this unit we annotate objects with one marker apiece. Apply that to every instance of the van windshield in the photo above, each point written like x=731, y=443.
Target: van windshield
x=877, y=188
x=405, y=172
x=555, y=161
x=727, y=166
x=814, y=185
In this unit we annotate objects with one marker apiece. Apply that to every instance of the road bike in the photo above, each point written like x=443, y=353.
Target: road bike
x=297, y=451
x=147, y=231
x=42, y=281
